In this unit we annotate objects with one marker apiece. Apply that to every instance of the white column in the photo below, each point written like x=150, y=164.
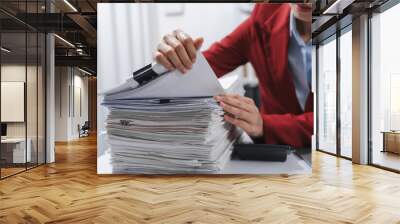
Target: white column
x=50, y=99
x=360, y=90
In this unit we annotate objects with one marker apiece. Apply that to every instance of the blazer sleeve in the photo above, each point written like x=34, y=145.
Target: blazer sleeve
x=288, y=129
x=230, y=52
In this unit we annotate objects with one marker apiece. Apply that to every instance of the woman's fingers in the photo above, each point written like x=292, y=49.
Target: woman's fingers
x=245, y=102
x=198, y=42
x=238, y=122
x=236, y=112
x=234, y=101
x=170, y=53
x=188, y=43
x=179, y=49
x=242, y=112
x=162, y=60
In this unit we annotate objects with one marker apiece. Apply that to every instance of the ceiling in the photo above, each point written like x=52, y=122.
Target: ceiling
x=74, y=24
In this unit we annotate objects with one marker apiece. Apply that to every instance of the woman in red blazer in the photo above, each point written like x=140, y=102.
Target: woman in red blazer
x=265, y=40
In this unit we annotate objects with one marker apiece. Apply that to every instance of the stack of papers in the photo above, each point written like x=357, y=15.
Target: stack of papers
x=171, y=125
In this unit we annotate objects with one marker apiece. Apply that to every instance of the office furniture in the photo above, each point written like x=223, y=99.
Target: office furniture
x=84, y=130
x=391, y=141
x=293, y=165
x=13, y=151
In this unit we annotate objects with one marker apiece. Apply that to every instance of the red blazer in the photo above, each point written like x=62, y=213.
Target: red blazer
x=263, y=40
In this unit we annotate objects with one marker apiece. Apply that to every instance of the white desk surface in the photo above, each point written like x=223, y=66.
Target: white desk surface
x=13, y=140
x=293, y=165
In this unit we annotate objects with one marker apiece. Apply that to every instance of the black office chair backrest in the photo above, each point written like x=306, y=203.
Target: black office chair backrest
x=86, y=125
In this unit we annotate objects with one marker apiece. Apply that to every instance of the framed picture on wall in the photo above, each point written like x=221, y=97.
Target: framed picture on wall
x=13, y=99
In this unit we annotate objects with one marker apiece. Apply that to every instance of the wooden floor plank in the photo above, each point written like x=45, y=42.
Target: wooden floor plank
x=70, y=191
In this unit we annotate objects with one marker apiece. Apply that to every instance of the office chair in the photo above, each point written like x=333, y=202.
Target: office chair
x=84, y=130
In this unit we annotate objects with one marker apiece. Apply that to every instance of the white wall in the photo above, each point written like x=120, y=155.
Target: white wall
x=67, y=114
x=80, y=83
x=61, y=103
x=211, y=21
x=129, y=33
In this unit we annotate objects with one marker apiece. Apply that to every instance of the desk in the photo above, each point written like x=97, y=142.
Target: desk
x=13, y=150
x=294, y=164
x=391, y=141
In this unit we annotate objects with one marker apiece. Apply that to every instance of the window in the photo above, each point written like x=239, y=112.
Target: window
x=22, y=79
x=385, y=89
x=15, y=146
x=327, y=96
x=346, y=93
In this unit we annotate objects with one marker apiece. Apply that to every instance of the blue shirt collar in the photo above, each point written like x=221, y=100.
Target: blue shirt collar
x=295, y=34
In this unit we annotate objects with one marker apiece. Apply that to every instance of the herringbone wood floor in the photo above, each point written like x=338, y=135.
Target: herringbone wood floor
x=70, y=191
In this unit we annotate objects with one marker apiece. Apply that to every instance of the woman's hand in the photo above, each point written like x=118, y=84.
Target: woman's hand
x=242, y=112
x=177, y=51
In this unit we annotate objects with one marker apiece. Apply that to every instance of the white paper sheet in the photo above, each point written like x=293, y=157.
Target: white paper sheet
x=200, y=81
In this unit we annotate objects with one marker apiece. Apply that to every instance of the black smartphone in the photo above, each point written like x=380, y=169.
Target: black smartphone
x=262, y=152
